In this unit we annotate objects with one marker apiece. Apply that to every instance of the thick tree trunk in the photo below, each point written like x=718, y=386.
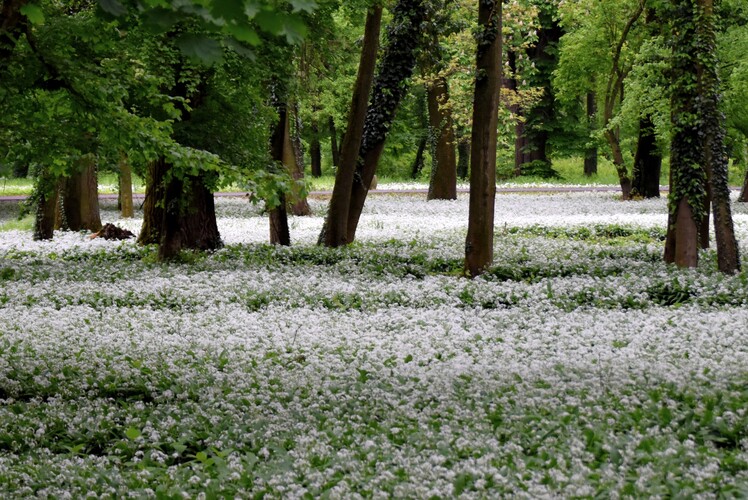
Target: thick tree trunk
x=125, y=187
x=334, y=148
x=647, y=162
x=81, y=196
x=189, y=218
x=479, y=241
x=443, y=185
x=390, y=86
x=335, y=230
x=315, y=151
x=590, y=155
x=687, y=159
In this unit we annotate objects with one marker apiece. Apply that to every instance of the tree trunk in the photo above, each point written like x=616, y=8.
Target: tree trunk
x=46, y=207
x=390, y=86
x=443, y=185
x=125, y=187
x=647, y=162
x=153, y=211
x=315, y=151
x=687, y=158
x=715, y=153
x=279, y=231
x=619, y=164
x=417, y=167
x=189, y=218
x=463, y=157
x=743, y=198
x=335, y=149
x=540, y=117
x=590, y=155
x=335, y=230
x=81, y=196
x=479, y=241
x=292, y=158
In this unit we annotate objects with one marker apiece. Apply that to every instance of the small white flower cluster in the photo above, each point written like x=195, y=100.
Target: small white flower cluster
x=574, y=368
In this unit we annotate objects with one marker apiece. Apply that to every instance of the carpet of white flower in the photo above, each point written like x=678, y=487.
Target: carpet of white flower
x=579, y=366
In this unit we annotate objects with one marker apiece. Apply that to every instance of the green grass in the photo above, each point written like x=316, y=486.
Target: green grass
x=24, y=224
x=570, y=170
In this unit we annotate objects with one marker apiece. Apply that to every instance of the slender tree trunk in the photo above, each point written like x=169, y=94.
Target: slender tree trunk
x=443, y=185
x=479, y=241
x=293, y=159
x=647, y=162
x=335, y=230
x=46, y=207
x=463, y=157
x=619, y=164
x=335, y=149
x=418, y=161
x=716, y=159
x=421, y=112
x=743, y=198
x=590, y=156
x=315, y=151
x=125, y=187
x=390, y=86
x=81, y=196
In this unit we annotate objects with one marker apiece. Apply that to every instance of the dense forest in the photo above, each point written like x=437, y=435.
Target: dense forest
x=197, y=95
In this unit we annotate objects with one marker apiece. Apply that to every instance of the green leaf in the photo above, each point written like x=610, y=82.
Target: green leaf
x=200, y=49
x=34, y=13
x=132, y=433
x=305, y=5
x=113, y=7
x=244, y=33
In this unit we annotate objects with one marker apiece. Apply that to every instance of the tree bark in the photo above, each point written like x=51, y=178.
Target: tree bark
x=687, y=155
x=614, y=92
x=463, y=157
x=315, y=151
x=335, y=229
x=153, y=210
x=743, y=198
x=292, y=158
x=125, y=187
x=46, y=207
x=189, y=218
x=479, y=241
x=590, y=155
x=443, y=185
x=716, y=158
x=647, y=162
x=390, y=86
x=81, y=196
x=335, y=149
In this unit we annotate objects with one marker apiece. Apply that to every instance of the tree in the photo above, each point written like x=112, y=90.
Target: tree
x=335, y=230
x=389, y=87
x=479, y=242
x=698, y=156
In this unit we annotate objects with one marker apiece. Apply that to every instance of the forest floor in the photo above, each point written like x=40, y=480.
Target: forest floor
x=579, y=365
